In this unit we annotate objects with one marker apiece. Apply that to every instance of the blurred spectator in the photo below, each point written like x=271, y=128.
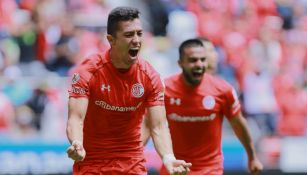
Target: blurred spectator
x=37, y=103
x=2, y=62
x=182, y=25
x=25, y=36
x=54, y=115
x=286, y=12
x=174, y=5
x=159, y=17
x=292, y=102
x=65, y=48
x=211, y=17
x=24, y=124
x=157, y=52
x=270, y=149
x=7, y=114
x=16, y=88
x=9, y=52
x=266, y=49
x=7, y=10
x=259, y=100
x=212, y=56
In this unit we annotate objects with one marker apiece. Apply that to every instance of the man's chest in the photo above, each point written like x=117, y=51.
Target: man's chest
x=193, y=107
x=118, y=94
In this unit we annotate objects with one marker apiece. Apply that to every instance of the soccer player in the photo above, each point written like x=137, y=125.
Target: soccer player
x=211, y=56
x=108, y=96
x=196, y=103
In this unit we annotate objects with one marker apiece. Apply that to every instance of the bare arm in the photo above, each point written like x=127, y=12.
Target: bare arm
x=159, y=130
x=241, y=130
x=145, y=131
x=162, y=140
x=76, y=113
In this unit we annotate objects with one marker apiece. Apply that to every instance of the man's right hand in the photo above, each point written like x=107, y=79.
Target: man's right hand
x=76, y=151
x=178, y=167
x=174, y=166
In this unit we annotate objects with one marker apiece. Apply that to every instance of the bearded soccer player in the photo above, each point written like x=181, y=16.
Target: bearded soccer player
x=108, y=96
x=196, y=103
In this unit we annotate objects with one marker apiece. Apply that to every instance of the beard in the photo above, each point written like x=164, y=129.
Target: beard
x=189, y=78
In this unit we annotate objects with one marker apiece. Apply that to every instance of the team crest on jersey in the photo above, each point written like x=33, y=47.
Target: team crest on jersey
x=209, y=102
x=75, y=78
x=137, y=90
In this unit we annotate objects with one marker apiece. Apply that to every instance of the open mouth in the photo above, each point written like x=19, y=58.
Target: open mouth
x=133, y=52
x=197, y=73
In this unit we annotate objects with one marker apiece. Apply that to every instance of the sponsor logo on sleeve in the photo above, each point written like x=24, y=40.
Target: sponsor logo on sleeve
x=160, y=96
x=208, y=102
x=75, y=78
x=78, y=90
x=137, y=90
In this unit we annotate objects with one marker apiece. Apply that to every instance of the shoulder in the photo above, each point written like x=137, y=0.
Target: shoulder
x=147, y=68
x=218, y=83
x=89, y=66
x=171, y=80
x=150, y=76
x=92, y=62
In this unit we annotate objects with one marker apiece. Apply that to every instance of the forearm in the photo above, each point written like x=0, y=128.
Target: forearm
x=242, y=132
x=162, y=139
x=247, y=142
x=74, y=129
x=145, y=131
x=76, y=114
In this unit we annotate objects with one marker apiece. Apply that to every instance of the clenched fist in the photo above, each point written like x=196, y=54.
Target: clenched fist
x=76, y=151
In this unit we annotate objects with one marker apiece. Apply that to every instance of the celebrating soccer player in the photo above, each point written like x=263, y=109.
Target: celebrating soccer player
x=196, y=103
x=108, y=96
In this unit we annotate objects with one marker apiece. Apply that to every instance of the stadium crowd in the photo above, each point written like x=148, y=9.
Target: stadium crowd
x=261, y=46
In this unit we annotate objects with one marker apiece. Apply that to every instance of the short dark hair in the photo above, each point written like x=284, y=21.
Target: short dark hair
x=204, y=39
x=189, y=43
x=120, y=14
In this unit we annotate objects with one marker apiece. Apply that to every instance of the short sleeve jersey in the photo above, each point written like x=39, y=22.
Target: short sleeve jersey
x=117, y=101
x=195, y=116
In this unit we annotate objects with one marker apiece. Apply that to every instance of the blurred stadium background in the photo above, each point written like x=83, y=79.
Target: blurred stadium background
x=262, y=52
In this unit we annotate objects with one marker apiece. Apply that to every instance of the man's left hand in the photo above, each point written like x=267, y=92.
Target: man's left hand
x=255, y=166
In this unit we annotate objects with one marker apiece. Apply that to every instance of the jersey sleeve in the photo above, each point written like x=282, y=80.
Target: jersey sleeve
x=232, y=107
x=79, y=85
x=156, y=91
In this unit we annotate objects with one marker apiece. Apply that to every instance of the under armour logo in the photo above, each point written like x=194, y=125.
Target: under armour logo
x=176, y=101
x=103, y=87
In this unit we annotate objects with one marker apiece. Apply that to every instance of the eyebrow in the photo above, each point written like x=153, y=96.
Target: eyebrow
x=133, y=31
x=198, y=57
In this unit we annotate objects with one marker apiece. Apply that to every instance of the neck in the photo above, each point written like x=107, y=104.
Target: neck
x=117, y=62
x=187, y=82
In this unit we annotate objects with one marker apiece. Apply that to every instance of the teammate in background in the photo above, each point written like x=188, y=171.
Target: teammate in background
x=211, y=56
x=108, y=96
x=196, y=103
x=212, y=64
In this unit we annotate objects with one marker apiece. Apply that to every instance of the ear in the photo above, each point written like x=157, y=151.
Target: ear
x=180, y=62
x=206, y=63
x=111, y=39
